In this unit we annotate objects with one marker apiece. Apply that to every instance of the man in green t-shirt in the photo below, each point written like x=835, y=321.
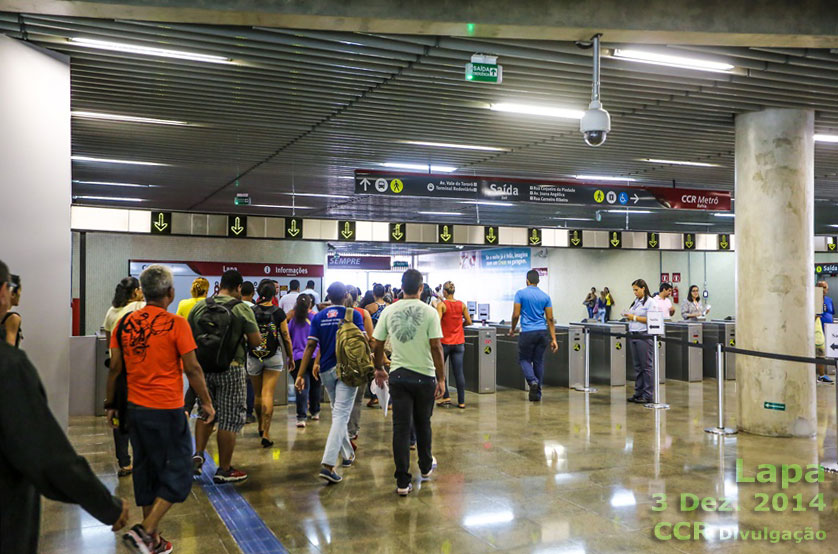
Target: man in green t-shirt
x=228, y=389
x=417, y=377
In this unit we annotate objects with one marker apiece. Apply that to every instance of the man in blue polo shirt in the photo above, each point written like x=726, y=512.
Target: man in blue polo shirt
x=324, y=328
x=535, y=310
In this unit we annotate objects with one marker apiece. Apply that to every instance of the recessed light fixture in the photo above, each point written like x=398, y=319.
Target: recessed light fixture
x=317, y=195
x=127, y=118
x=826, y=138
x=677, y=162
x=602, y=178
x=833, y=225
x=693, y=223
x=487, y=203
x=452, y=145
x=111, y=161
x=671, y=60
x=573, y=218
x=630, y=212
x=109, y=198
x=441, y=213
x=110, y=184
x=421, y=167
x=530, y=109
x=724, y=215
x=148, y=50
x=281, y=207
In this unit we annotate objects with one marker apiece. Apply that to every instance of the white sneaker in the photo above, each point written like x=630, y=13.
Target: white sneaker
x=426, y=476
x=405, y=491
x=301, y=424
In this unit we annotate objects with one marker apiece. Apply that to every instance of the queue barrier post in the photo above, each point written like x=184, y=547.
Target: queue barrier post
x=720, y=429
x=587, y=385
x=657, y=404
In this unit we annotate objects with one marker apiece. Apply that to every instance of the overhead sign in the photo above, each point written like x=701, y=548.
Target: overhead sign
x=615, y=239
x=779, y=406
x=724, y=241
x=242, y=199
x=491, y=235
x=398, y=232
x=534, y=236
x=346, y=230
x=218, y=268
x=375, y=263
x=161, y=223
x=653, y=240
x=574, y=238
x=293, y=227
x=237, y=226
x=445, y=234
x=689, y=241
x=484, y=73
x=569, y=192
x=828, y=269
x=832, y=244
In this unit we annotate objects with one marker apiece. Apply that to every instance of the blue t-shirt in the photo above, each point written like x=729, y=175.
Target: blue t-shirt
x=828, y=315
x=533, y=300
x=324, y=329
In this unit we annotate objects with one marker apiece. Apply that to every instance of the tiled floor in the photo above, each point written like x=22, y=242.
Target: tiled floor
x=572, y=474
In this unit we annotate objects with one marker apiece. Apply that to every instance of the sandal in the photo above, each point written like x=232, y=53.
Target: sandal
x=444, y=403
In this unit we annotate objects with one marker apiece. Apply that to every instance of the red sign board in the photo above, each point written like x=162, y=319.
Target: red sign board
x=542, y=271
x=253, y=269
x=692, y=199
x=664, y=277
x=376, y=263
x=676, y=277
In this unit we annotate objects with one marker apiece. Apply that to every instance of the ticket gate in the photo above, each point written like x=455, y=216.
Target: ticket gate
x=576, y=355
x=719, y=331
x=480, y=359
x=608, y=354
x=556, y=366
x=684, y=363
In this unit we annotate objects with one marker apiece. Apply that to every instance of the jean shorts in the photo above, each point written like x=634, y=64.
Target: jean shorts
x=255, y=366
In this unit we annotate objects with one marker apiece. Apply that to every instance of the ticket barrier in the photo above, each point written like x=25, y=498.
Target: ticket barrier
x=556, y=366
x=714, y=332
x=608, y=353
x=480, y=359
x=566, y=368
x=684, y=363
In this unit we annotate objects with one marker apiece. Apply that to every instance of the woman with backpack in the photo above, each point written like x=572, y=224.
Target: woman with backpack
x=299, y=327
x=266, y=361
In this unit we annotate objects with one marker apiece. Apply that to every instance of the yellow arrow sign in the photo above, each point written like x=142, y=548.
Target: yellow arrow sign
x=445, y=235
x=615, y=241
x=689, y=242
x=397, y=231
x=831, y=246
x=575, y=239
x=161, y=224
x=653, y=240
x=723, y=243
x=490, y=236
x=294, y=230
x=535, y=239
x=237, y=226
x=347, y=230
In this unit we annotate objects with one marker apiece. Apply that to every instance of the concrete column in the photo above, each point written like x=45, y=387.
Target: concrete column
x=774, y=260
x=35, y=207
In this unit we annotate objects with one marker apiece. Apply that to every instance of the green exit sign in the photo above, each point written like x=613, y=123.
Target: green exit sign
x=242, y=199
x=484, y=72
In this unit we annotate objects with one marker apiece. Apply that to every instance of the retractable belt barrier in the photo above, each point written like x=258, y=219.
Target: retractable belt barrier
x=720, y=429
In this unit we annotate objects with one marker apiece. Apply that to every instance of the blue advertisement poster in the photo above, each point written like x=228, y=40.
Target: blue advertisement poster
x=505, y=259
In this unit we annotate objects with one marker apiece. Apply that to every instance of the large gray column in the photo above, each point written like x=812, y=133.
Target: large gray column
x=774, y=264
x=35, y=206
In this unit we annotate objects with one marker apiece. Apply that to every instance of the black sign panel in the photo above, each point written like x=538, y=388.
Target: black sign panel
x=445, y=234
x=491, y=235
x=237, y=226
x=161, y=223
x=826, y=269
x=689, y=241
x=346, y=230
x=653, y=240
x=293, y=227
x=398, y=232
x=615, y=239
x=574, y=238
x=534, y=237
x=832, y=246
x=724, y=241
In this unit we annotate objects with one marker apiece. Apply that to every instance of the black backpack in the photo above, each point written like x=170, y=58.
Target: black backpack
x=212, y=330
x=269, y=328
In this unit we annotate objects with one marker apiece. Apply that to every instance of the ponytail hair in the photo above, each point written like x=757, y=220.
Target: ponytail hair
x=200, y=287
x=124, y=291
x=641, y=284
x=302, y=307
x=266, y=290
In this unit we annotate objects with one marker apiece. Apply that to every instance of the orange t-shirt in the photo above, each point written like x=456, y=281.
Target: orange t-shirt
x=153, y=341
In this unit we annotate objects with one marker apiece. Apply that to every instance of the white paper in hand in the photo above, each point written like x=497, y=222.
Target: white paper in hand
x=383, y=395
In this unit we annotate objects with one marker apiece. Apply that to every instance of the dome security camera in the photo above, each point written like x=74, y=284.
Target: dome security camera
x=595, y=124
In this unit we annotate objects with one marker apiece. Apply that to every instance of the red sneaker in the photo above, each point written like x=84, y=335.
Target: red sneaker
x=232, y=475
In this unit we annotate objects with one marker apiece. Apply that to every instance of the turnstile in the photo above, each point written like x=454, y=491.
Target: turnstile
x=480, y=359
x=608, y=354
x=716, y=331
x=557, y=367
x=101, y=375
x=684, y=363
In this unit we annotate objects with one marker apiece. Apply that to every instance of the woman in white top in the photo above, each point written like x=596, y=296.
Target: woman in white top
x=642, y=349
x=693, y=308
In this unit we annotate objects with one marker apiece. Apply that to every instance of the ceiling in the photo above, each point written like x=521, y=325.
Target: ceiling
x=298, y=111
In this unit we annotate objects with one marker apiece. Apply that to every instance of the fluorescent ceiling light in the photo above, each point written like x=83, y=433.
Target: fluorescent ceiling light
x=573, y=218
x=440, y=213
x=420, y=167
x=109, y=184
x=487, y=203
x=530, y=109
x=602, y=178
x=451, y=145
x=833, y=225
x=148, y=50
x=317, y=195
x=632, y=212
x=345, y=177
x=671, y=60
x=127, y=118
x=826, y=138
x=677, y=162
x=111, y=161
x=724, y=215
x=109, y=198
x=693, y=223
x=281, y=207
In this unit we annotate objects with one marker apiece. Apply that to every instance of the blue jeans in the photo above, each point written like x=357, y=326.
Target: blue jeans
x=309, y=397
x=341, y=398
x=531, y=348
x=456, y=353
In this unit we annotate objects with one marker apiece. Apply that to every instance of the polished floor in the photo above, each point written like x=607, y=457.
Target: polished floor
x=575, y=473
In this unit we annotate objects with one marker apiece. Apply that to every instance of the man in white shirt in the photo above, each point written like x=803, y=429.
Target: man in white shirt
x=288, y=301
x=662, y=303
x=310, y=290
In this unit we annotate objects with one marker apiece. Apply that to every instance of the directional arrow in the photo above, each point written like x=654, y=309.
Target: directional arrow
x=347, y=230
x=724, y=244
x=294, y=230
x=490, y=236
x=237, y=226
x=161, y=224
x=575, y=240
x=653, y=240
x=615, y=241
x=397, y=232
x=635, y=198
x=535, y=239
x=366, y=184
x=445, y=235
x=689, y=242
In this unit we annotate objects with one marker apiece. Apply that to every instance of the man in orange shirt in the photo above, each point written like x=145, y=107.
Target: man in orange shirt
x=155, y=348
